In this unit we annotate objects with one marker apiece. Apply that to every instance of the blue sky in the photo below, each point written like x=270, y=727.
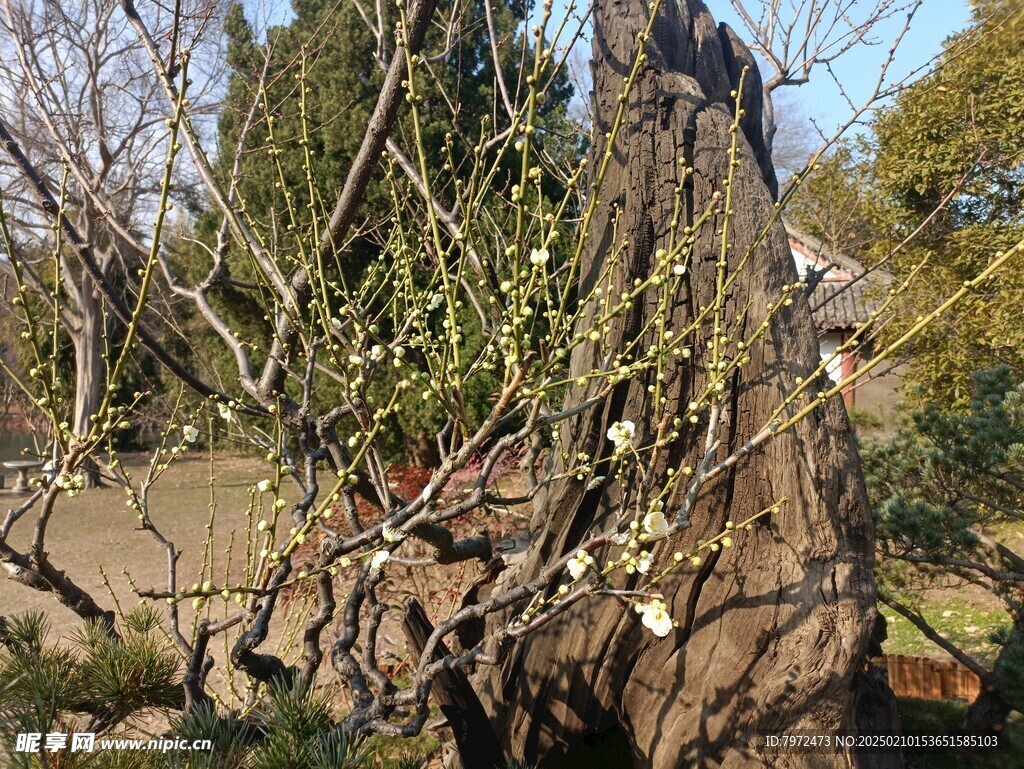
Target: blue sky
x=858, y=68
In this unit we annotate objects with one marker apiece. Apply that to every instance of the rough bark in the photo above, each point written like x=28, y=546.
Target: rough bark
x=772, y=632
x=420, y=451
x=477, y=743
x=988, y=713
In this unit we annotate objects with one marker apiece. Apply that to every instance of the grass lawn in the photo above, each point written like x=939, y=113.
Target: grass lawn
x=967, y=624
x=402, y=752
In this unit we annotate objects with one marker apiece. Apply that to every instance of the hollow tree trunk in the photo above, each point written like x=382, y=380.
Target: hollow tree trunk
x=773, y=631
x=89, y=368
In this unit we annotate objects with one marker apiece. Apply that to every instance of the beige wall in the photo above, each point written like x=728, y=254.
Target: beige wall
x=875, y=398
x=872, y=399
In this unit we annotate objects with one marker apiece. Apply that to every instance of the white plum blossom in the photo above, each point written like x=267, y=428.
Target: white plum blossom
x=621, y=434
x=577, y=565
x=576, y=568
x=379, y=559
x=644, y=562
x=392, y=534
x=655, y=617
x=336, y=323
x=655, y=522
x=190, y=433
x=264, y=486
x=539, y=257
x=225, y=412
x=435, y=302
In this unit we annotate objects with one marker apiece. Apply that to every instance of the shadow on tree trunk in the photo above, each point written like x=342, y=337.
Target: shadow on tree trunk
x=771, y=635
x=477, y=743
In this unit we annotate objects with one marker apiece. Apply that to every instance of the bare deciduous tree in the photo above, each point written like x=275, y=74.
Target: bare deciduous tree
x=792, y=38
x=80, y=100
x=697, y=568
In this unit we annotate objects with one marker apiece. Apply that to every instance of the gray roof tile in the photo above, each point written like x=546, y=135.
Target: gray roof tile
x=842, y=304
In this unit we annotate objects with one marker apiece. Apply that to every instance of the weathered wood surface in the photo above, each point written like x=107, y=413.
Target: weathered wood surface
x=929, y=679
x=478, y=745
x=774, y=630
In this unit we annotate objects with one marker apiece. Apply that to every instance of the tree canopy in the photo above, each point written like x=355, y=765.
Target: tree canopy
x=942, y=164
x=315, y=82
x=940, y=488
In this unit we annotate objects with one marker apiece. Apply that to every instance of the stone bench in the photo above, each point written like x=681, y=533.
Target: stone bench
x=22, y=467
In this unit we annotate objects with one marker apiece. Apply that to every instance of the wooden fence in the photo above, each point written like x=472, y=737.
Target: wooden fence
x=929, y=679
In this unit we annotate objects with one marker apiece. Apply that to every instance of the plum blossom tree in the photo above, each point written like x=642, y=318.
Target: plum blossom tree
x=697, y=567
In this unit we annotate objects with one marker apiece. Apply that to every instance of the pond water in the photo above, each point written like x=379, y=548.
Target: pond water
x=13, y=441
x=11, y=444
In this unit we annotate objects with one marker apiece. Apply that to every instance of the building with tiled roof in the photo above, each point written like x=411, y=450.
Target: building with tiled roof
x=843, y=295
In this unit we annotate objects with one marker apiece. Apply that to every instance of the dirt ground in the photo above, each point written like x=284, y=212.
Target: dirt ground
x=97, y=530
